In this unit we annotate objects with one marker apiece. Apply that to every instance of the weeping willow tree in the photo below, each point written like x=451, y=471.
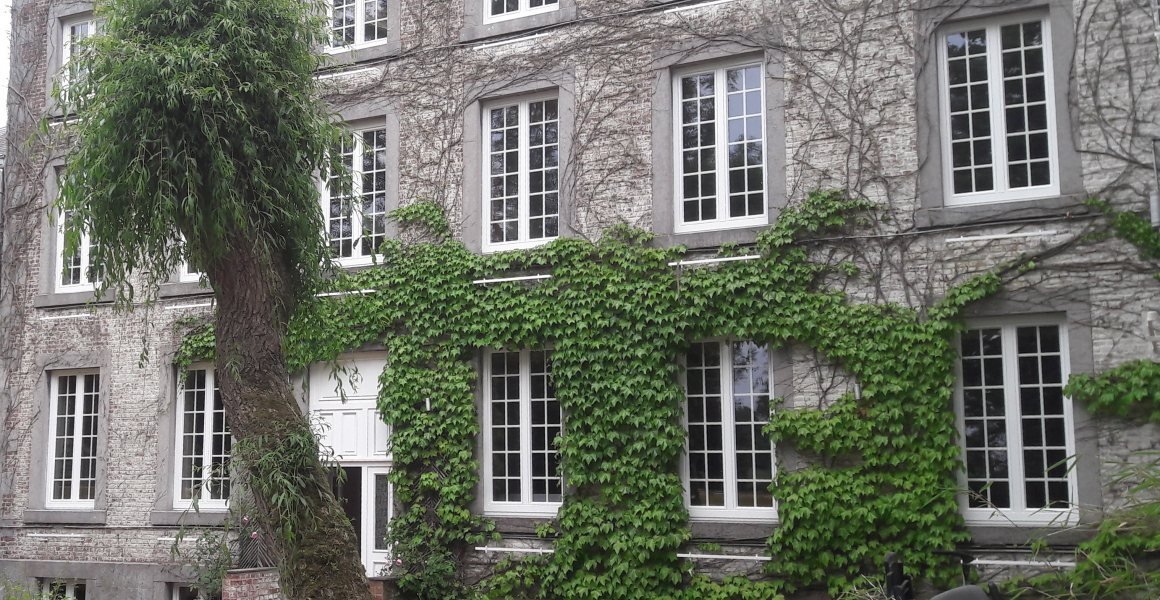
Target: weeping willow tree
x=195, y=133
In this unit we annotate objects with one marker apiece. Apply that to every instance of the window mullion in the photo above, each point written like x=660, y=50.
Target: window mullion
x=998, y=114
x=356, y=190
x=1015, y=471
x=524, y=224
x=728, y=426
x=525, y=427
x=721, y=125
x=487, y=430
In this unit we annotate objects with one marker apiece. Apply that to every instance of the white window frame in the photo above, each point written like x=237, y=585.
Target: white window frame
x=205, y=502
x=47, y=584
x=359, y=28
x=177, y=587
x=525, y=507
x=1002, y=191
x=66, y=45
x=186, y=274
x=1018, y=514
x=84, y=249
x=731, y=512
x=722, y=222
x=356, y=213
x=524, y=10
x=523, y=239
x=73, y=502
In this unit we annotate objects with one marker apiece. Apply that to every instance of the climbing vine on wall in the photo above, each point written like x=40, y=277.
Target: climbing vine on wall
x=618, y=318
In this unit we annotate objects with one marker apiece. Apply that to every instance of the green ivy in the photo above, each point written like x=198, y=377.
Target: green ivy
x=618, y=318
x=1129, y=391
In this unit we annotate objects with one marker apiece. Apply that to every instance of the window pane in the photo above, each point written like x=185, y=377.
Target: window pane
x=754, y=451
x=342, y=22
x=969, y=111
x=505, y=166
x=544, y=148
x=1045, y=431
x=374, y=190
x=382, y=511
x=699, y=143
x=706, y=447
x=984, y=424
x=505, y=426
x=1025, y=102
x=546, y=427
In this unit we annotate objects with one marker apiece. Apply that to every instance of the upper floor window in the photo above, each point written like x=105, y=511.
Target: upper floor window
x=74, y=419
x=356, y=222
x=73, y=32
x=721, y=179
x=203, y=453
x=729, y=464
x=522, y=161
x=504, y=9
x=358, y=22
x=76, y=272
x=998, y=106
x=522, y=421
x=1016, y=423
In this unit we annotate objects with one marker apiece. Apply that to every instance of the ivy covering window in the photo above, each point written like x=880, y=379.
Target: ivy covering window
x=1016, y=423
x=997, y=94
x=505, y=9
x=522, y=421
x=730, y=462
x=356, y=223
x=356, y=22
x=523, y=166
x=721, y=153
x=74, y=420
x=76, y=274
x=205, y=443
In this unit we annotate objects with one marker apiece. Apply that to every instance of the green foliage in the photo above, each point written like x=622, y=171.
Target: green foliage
x=196, y=345
x=618, y=318
x=425, y=214
x=1131, y=228
x=1130, y=391
x=196, y=120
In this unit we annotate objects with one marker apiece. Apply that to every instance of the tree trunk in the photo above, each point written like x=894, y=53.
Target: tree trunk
x=254, y=300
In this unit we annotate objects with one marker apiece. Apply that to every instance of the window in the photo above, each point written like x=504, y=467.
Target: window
x=345, y=400
x=203, y=454
x=357, y=223
x=76, y=272
x=188, y=274
x=74, y=32
x=997, y=95
x=730, y=462
x=63, y=589
x=522, y=472
x=358, y=22
x=721, y=180
x=74, y=418
x=523, y=166
x=506, y=9
x=1016, y=423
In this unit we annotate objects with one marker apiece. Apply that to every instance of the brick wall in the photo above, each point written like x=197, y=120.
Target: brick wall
x=252, y=584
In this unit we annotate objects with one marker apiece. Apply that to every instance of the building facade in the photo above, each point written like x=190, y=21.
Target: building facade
x=979, y=126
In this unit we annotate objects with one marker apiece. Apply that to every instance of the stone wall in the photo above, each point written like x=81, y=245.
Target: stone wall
x=855, y=117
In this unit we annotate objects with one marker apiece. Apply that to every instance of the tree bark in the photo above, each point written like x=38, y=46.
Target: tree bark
x=255, y=298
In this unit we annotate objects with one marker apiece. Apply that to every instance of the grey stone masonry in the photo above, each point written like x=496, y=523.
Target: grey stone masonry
x=851, y=95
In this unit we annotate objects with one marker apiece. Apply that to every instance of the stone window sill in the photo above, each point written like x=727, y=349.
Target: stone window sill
x=1000, y=535
x=64, y=517
x=709, y=239
x=188, y=518
x=999, y=212
x=174, y=290
x=69, y=299
x=509, y=26
x=353, y=56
